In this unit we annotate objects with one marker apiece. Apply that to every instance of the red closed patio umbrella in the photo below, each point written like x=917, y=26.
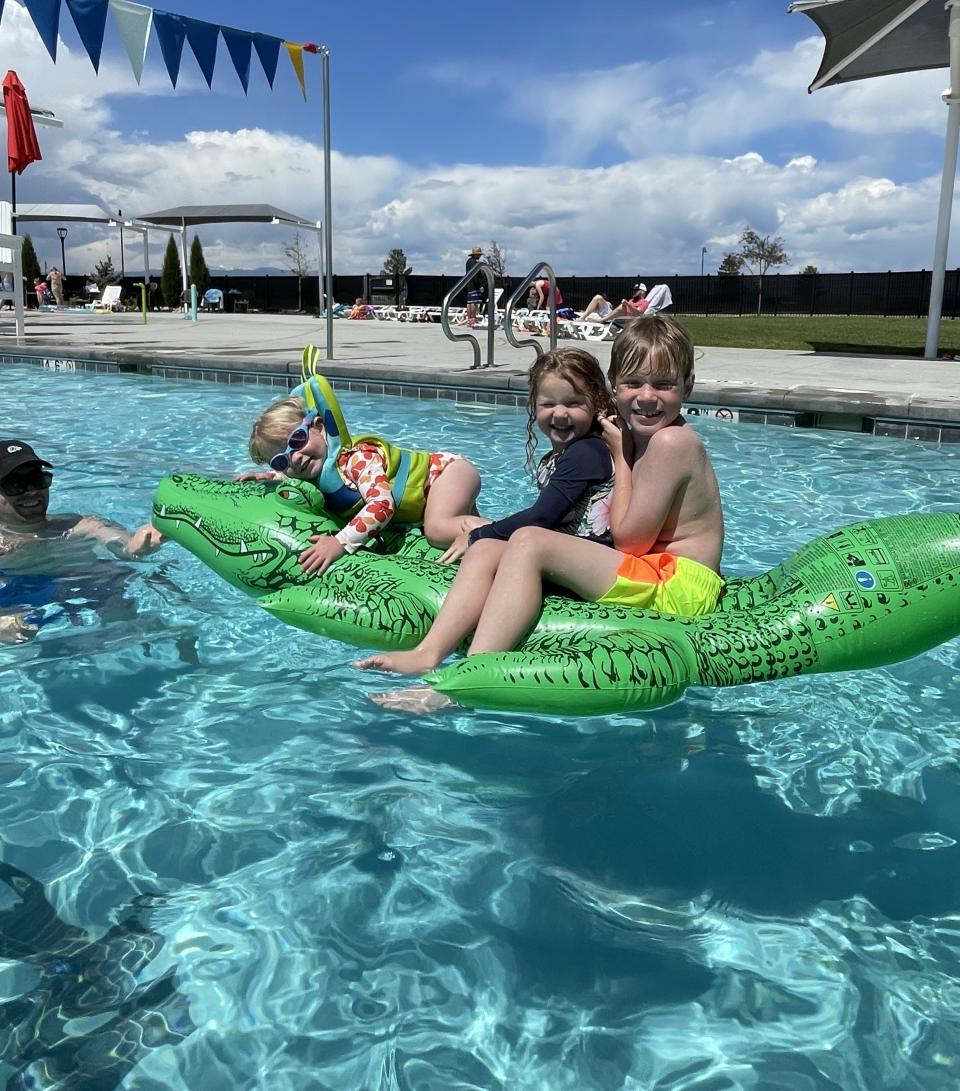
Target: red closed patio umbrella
x=22, y=146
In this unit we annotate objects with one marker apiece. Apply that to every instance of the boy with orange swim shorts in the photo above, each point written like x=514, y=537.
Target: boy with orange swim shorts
x=665, y=512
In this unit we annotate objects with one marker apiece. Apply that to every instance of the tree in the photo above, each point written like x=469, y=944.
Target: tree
x=104, y=273
x=171, y=277
x=29, y=265
x=731, y=265
x=809, y=271
x=199, y=273
x=296, y=254
x=760, y=253
x=395, y=264
x=496, y=258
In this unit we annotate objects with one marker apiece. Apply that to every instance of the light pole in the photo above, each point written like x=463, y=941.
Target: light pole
x=120, y=214
x=703, y=252
x=62, y=232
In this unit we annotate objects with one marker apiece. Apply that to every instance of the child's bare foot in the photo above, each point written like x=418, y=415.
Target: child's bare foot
x=415, y=699
x=414, y=661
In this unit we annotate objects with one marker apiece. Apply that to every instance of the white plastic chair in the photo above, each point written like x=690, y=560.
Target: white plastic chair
x=110, y=300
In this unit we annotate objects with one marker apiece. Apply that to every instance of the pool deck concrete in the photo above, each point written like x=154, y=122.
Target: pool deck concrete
x=770, y=380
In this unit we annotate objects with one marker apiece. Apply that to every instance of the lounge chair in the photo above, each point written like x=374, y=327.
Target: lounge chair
x=658, y=299
x=109, y=301
x=212, y=300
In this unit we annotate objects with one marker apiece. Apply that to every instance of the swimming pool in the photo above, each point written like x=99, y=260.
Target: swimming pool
x=754, y=887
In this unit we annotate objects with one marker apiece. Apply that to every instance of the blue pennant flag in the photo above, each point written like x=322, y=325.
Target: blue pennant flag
x=268, y=50
x=203, y=41
x=171, y=31
x=46, y=18
x=238, y=45
x=90, y=19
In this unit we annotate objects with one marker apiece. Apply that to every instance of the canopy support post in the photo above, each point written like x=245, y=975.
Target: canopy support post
x=183, y=252
x=947, y=182
x=327, y=200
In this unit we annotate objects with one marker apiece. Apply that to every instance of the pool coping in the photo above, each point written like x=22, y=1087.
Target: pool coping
x=886, y=414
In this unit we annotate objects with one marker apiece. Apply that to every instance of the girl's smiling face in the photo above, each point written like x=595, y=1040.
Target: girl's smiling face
x=649, y=400
x=563, y=413
x=306, y=464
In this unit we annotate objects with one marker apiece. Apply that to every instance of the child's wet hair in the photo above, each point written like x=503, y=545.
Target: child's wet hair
x=658, y=341
x=273, y=427
x=582, y=371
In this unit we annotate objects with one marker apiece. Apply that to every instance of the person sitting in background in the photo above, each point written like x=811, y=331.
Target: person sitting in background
x=632, y=307
x=598, y=308
x=360, y=309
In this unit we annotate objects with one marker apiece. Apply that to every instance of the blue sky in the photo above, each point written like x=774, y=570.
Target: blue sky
x=607, y=142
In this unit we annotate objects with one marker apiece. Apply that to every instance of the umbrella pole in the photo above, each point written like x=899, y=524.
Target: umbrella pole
x=13, y=202
x=947, y=181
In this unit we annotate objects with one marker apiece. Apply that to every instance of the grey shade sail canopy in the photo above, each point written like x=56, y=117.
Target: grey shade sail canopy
x=72, y=213
x=867, y=38
x=191, y=215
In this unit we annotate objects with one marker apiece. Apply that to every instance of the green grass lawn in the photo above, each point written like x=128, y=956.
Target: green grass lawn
x=822, y=333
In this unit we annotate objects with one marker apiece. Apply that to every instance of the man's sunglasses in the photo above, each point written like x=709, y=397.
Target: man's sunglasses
x=296, y=441
x=17, y=486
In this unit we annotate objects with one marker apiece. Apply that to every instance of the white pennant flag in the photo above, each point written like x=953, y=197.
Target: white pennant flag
x=133, y=25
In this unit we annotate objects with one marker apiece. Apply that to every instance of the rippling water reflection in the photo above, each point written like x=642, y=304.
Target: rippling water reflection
x=753, y=888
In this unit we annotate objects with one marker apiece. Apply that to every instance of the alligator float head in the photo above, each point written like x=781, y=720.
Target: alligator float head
x=252, y=532
x=248, y=532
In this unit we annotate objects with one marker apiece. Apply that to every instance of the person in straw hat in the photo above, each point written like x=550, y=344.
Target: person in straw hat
x=476, y=287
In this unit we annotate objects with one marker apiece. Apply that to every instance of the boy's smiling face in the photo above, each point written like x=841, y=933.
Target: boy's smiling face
x=649, y=400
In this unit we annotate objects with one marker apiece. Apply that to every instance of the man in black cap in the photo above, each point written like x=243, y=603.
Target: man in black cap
x=26, y=530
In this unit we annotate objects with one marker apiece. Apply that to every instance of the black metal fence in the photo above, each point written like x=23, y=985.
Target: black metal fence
x=891, y=293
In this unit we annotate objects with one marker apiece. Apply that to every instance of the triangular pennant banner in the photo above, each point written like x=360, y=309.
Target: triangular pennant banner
x=171, y=31
x=133, y=22
x=90, y=19
x=46, y=18
x=296, y=59
x=238, y=44
x=203, y=41
x=268, y=50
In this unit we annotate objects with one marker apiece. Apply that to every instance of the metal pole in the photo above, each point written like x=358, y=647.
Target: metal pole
x=320, y=270
x=123, y=271
x=146, y=261
x=947, y=181
x=327, y=199
x=183, y=251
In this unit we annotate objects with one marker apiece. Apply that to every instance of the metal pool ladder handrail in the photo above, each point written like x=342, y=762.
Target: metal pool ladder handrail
x=542, y=267
x=480, y=267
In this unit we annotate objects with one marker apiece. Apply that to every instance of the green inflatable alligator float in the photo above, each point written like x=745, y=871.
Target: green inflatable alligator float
x=866, y=595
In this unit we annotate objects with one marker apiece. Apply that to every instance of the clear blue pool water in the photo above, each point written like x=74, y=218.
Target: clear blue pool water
x=284, y=886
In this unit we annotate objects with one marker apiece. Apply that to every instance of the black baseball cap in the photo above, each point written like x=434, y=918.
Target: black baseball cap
x=14, y=453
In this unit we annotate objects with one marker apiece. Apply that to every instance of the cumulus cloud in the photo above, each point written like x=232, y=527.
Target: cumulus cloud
x=695, y=168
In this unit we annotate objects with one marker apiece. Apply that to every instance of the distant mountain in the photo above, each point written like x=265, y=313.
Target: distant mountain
x=260, y=271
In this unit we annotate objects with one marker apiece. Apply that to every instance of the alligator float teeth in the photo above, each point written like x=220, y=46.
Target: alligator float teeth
x=243, y=546
x=163, y=510
x=199, y=522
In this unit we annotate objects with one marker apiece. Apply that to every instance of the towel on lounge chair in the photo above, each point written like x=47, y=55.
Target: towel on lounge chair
x=658, y=299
